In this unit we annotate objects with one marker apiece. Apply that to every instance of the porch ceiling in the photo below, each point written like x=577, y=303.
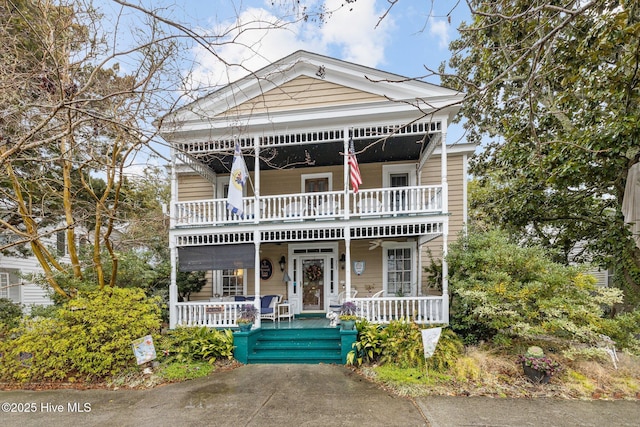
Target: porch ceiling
x=330, y=153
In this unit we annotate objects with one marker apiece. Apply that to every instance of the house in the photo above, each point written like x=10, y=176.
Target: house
x=300, y=230
x=18, y=275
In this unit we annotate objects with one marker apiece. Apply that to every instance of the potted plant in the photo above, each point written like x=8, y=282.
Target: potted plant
x=537, y=367
x=348, y=315
x=248, y=313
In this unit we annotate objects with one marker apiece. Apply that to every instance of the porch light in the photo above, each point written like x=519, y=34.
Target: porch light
x=343, y=261
x=282, y=262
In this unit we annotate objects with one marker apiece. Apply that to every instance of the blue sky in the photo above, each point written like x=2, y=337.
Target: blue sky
x=413, y=35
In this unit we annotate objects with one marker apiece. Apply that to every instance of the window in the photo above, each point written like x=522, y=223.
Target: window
x=399, y=271
x=318, y=183
x=4, y=285
x=232, y=282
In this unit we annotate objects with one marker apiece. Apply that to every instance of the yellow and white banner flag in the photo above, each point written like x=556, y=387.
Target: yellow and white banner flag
x=237, y=181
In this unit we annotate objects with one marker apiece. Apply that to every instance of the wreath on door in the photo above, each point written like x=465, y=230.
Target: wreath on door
x=313, y=273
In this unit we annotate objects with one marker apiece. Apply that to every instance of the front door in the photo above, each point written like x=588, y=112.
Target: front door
x=313, y=275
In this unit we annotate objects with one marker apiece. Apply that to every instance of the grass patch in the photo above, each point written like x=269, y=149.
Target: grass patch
x=394, y=374
x=185, y=371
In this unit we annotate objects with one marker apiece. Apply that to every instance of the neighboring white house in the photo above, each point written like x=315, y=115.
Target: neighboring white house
x=17, y=280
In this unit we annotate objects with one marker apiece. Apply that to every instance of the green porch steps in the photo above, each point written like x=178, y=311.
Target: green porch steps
x=297, y=346
x=306, y=346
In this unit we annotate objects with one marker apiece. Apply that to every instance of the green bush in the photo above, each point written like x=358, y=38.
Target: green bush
x=448, y=351
x=501, y=289
x=89, y=338
x=624, y=330
x=368, y=346
x=43, y=311
x=10, y=314
x=197, y=344
x=400, y=344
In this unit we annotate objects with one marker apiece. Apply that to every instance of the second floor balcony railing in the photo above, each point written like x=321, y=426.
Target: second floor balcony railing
x=308, y=206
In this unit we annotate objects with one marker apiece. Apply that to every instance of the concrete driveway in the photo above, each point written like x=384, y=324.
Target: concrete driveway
x=295, y=395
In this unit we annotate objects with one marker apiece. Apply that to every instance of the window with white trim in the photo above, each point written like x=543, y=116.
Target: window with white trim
x=4, y=285
x=232, y=282
x=399, y=271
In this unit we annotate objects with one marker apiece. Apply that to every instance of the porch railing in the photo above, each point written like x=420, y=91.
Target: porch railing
x=307, y=206
x=210, y=314
x=422, y=310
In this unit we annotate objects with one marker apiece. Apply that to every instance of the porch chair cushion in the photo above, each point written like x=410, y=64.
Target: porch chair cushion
x=268, y=305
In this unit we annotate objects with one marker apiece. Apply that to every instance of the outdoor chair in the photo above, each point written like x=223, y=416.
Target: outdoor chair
x=369, y=205
x=269, y=306
x=295, y=209
x=336, y=303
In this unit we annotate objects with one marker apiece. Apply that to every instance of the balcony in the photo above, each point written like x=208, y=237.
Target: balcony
x=372, y=203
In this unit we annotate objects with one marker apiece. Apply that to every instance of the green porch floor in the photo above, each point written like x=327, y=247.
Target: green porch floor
x=310, y=322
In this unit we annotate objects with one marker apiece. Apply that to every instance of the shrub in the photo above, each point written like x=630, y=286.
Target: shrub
x=400, y=343
x=368, y=346
x=197, y=344
x=501, y=288
x=624, y=330
x=448, y=351
x=43, y=311
x=90, y=337
x=10, y=314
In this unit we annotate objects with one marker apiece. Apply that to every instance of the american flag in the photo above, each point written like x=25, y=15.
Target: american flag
x=354, y=170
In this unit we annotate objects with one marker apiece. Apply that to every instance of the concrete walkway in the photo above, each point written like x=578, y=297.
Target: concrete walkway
x=295, y=395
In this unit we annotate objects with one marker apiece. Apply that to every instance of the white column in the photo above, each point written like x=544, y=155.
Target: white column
x=345, y=168
x=445, y=226
x=347, y=263
x=173, y=252
x=256, y=275
x=173, y=287
x=347, y=229
x=443, y=167
x=257, y=212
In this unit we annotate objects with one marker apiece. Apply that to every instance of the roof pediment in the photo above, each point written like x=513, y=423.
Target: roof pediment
x=305, y=80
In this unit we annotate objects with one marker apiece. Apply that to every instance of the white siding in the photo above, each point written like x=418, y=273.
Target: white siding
x=20, y=290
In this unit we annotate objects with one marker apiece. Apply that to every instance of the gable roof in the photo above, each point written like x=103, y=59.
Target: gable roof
x=278, y=89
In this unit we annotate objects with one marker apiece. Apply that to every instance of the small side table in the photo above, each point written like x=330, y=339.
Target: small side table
x=284, y=311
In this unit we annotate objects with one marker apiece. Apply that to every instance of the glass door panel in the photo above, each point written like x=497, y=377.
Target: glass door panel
x=313, y=283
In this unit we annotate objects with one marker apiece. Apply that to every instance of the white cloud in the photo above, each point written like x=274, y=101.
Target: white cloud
x=440, y=30
x=260, y=38
x=353, y=31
